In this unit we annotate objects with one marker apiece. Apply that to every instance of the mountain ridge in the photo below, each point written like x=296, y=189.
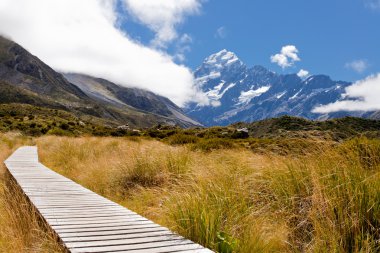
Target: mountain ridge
x=103, y=90
x=241, y=93
x=27, y=79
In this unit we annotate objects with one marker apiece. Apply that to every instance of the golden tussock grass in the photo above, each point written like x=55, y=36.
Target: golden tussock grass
x=21, y=228
x=232, y=199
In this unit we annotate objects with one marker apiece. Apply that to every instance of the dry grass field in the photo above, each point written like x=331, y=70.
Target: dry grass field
x=228, y=199
x=21, y=229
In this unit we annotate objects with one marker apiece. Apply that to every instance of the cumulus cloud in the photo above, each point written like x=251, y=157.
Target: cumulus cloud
x=82, y=37
x=358, y=66
x=303, y=73
x=221, y=32
x=372, y=4
x=162, y=16
x=361, y=96
x=287, y=57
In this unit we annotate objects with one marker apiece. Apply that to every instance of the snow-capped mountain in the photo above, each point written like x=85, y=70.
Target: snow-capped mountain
x=241, y=93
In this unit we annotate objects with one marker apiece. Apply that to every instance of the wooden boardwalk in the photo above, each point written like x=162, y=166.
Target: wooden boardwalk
x=85, y=221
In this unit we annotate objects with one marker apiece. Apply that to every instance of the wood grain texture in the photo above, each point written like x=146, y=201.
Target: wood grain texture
x=86, y=221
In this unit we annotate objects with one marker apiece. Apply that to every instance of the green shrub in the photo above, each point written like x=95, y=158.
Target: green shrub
x=239, y=135
x=59, y=132
x=213, y=144
x=181, y=139
x=64, y=126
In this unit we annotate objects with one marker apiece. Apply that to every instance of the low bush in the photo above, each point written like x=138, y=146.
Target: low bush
x=213, y=144
x=59, y=132
x=181, y=139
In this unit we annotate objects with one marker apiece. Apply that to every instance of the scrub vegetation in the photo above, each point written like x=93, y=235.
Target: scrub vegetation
x=303, y=193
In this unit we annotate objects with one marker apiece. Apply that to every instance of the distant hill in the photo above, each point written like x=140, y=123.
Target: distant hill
x=241, y=93
x=334, y=129
x=25, y=79
x=121, y=97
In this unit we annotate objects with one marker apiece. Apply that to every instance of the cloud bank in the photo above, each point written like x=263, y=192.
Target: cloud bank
x=287, y=57
x=162, y=16
x=82, y=37
x=361, y=96
x=358, y=66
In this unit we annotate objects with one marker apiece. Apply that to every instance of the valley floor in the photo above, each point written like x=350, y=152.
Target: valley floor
x=230, y=199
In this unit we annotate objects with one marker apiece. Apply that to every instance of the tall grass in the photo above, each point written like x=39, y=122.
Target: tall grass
x=332, y=199
x=21, y=228
x=233, y=200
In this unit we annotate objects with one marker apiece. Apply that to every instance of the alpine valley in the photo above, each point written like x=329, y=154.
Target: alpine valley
x=237, y=93
x=26, y=80
x=240, y=93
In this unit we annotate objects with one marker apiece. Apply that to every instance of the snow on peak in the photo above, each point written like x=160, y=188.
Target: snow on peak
x=246, y=96
x=222, y=58
x=218, y=91
x=309, y=79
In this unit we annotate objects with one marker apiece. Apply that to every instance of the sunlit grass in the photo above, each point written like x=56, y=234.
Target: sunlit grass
x=231, y=199
x=21, y=229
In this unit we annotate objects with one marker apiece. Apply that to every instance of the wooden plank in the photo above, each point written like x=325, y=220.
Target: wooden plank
x=134, y=230
x=89, y=211
x=87, y=214
x=85, y=221
x=93, y=213
x=93, y=221
x=106, y=228
x=164, y=246
x=130, y=241
x=118, y=237
x=59, y=227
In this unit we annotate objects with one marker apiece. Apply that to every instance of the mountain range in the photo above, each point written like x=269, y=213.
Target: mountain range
x=241, y=93
x=237, y=93
x=25, y=79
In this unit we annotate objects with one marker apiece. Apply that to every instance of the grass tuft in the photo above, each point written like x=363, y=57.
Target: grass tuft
x=277, y=196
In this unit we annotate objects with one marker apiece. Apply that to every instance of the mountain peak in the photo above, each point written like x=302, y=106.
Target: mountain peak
x=240, y=93
x=223, y=57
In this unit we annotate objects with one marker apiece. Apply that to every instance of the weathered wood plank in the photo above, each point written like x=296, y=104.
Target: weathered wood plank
x=107, y=230
x=85, y=221
x=130, y=241
x=59, y=227
x=118, y=236
x=164, y=246
x=134, y=230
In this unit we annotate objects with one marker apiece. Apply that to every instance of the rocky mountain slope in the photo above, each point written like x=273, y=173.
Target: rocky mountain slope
x=123, y=97
x=26, y=79
x=240, y=93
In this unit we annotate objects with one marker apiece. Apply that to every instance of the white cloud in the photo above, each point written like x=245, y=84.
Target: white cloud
x=372, y=4
x=287, y=57
x=221, y=32
x=81, y=36
x=162, y=16
x=358, y=66
x=361, y=96
x=303, y=73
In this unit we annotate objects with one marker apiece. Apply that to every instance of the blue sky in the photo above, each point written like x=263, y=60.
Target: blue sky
x=330, y=35
x=156, y=44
